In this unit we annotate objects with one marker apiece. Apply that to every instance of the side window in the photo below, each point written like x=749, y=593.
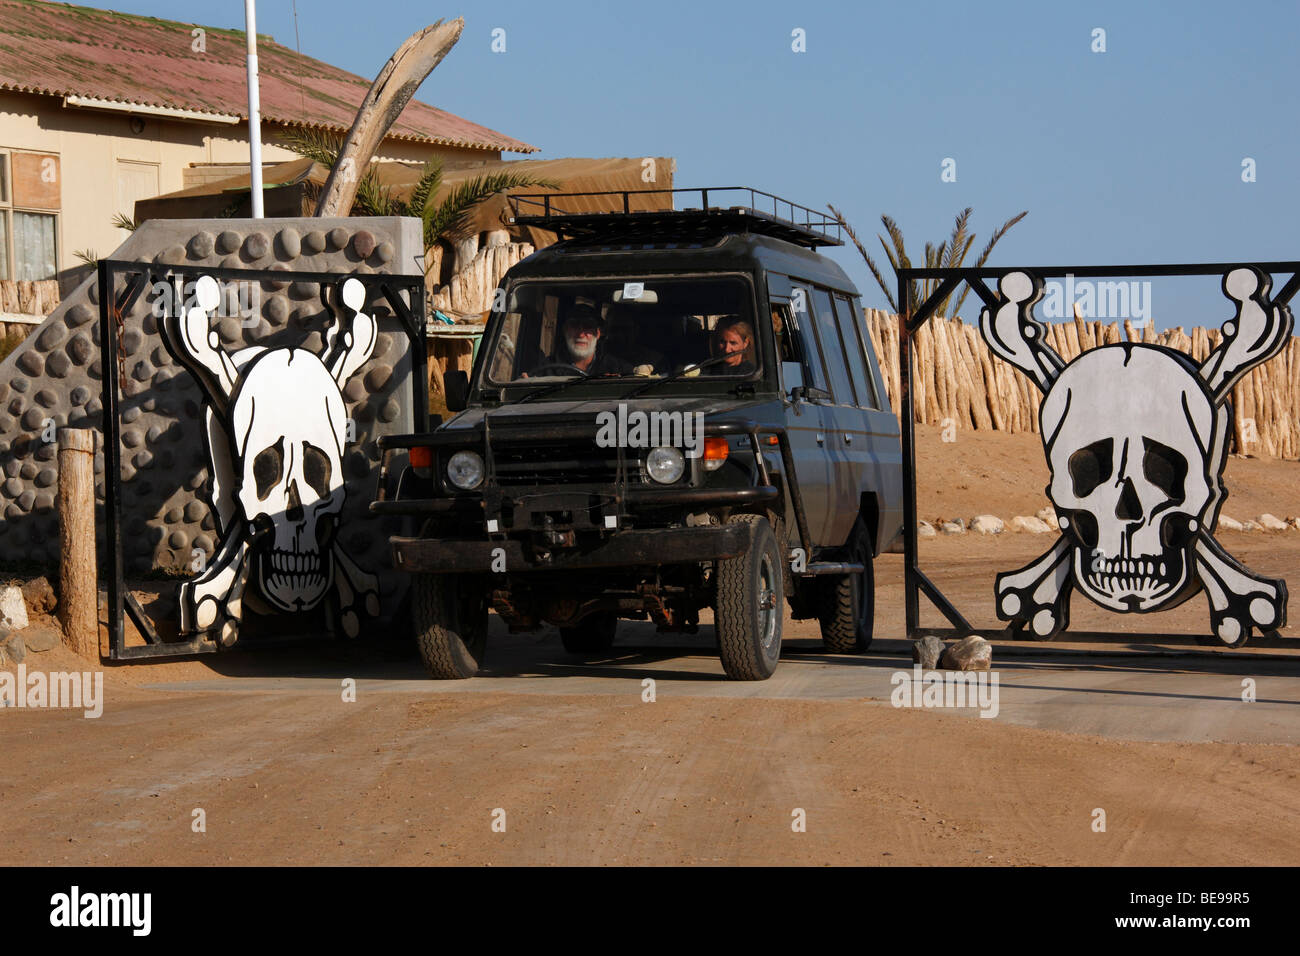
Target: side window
x=854, y=349
x=832, y=347
x=814, y=369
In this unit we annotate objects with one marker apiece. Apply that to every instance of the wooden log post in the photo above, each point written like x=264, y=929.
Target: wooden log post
x=78, y=581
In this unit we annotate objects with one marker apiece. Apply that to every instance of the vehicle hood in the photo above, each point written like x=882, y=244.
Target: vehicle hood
x=540, y=413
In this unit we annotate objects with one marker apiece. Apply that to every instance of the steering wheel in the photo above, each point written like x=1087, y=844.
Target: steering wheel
x=543, y=370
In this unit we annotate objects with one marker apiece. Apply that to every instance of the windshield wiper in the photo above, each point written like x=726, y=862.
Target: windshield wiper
x=560, y=386
x=681, y=372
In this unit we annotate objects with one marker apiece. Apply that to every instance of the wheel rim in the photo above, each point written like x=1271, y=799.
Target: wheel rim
x=766, y=610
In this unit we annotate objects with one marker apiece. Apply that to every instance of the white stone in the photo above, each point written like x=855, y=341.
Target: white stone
x=1048, y=517
x=925, y=530
x=987, y=524
x=13, y=609
x=1249, y=525
x=1228, y=524
x=1271, y=523
x=952, y=527
x=1294, y=522
x=1029, y=525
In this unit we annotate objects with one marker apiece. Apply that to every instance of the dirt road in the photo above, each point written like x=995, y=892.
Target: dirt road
x=581, y=769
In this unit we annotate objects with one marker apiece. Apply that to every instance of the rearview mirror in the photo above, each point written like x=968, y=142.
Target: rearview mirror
x=456, y=387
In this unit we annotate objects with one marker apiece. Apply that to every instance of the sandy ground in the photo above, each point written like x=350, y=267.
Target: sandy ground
x=583, y=770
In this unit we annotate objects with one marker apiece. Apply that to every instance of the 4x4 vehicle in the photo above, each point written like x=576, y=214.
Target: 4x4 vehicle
x=669, y=411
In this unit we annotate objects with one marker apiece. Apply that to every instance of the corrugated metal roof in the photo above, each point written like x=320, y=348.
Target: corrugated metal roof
x=61, y=50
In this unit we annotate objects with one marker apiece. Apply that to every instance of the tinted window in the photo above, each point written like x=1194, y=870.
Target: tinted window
x=853, y=335
x=832, y=347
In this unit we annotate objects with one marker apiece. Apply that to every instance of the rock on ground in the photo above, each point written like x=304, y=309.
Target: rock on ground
x=15, y=650
x=1271, y=523
x=952, y=527
x=1249, y=525
x=987, y=524
x=1048, y=517
x=39, y=596
x=969, y=654
x=38, y=640
x=1029, y=525
x=927, y=652
x=925, y=530
x=13, y=610
x=1228, y=524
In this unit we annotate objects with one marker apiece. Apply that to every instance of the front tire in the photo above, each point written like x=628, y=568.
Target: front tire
x=451, y=623
x=848, y=607
x=750, y=605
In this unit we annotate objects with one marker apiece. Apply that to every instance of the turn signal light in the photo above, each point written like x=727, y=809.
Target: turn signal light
x=421, y=456
x=715, y=453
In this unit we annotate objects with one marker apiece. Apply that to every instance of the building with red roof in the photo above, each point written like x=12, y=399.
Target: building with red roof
x=99, y=109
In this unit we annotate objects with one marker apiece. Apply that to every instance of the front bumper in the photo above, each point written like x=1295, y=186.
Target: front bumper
x=622, y=549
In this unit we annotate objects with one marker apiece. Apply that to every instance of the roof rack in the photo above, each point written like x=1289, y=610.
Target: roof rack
x=632, y=210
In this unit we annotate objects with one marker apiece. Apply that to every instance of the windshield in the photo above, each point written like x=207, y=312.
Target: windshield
x=627, y=330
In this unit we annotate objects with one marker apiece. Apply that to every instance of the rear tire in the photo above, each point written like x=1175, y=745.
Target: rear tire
x=450, y=615
x=592, y=635
x=750, y=605
x=848, y=607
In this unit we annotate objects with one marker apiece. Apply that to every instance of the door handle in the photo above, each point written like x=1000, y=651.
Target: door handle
x=821, y=439
x=848, y=439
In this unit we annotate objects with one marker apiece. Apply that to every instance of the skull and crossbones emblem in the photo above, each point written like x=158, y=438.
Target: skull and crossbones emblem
x=276, y=427
x=1136, y=438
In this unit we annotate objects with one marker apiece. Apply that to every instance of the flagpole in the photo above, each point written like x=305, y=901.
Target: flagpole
x=254, y=111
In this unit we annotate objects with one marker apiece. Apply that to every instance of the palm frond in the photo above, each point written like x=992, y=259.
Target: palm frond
x=426, y=188
x=317, y=145
x=453, y=212
x=880, y=280
x=123, y=221
x=993, y=241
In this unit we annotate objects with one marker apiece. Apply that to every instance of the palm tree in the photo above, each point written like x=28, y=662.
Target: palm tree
x=948, y=254
x=375, y=199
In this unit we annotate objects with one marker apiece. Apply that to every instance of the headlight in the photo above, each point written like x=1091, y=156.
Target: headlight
x=665, y=465
x=465, y=470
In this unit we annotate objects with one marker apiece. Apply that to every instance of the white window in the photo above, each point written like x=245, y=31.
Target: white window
x=30, y=191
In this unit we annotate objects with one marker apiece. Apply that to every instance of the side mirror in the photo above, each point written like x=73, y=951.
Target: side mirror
x=798, y=394
x=456, y=384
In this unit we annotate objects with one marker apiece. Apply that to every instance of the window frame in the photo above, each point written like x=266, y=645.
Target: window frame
x=852, y=317
x=818, y=388
x=9, y=208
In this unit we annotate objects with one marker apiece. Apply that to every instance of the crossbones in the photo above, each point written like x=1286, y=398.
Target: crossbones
x=1136, y=437
x=275, y=431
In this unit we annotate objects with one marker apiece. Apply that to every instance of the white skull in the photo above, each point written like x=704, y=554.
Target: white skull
x=290, y=426
x=1135, y=445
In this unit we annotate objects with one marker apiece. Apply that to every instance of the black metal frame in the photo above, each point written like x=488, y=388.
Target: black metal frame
x=799, y=224
x=914, y=579
x=113, y=308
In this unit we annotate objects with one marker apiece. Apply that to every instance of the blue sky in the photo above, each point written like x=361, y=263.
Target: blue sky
x=1133, y=155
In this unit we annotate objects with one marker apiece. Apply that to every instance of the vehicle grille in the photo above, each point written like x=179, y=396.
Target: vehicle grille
x=555, y=463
